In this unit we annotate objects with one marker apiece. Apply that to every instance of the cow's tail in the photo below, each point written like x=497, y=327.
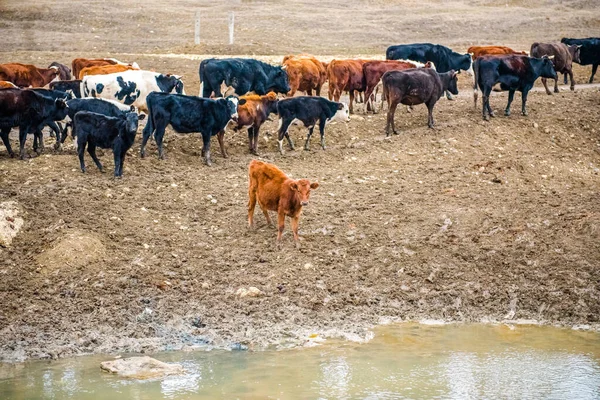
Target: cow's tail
x=475, y=81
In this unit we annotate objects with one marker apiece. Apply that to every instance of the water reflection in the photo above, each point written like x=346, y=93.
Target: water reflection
x=404, y=361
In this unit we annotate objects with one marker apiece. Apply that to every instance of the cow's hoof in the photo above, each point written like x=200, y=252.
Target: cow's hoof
x=549, y=93
x=395, y=133
x=557, y=91
x=486, y=118
x=525, y=113
x=83, y=170
x=142, y=154
x=324, y=147
x=572, y=88
x=306, y=148
x=507, y=113
x=11, y=155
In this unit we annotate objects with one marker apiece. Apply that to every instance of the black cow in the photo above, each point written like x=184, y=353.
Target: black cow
x=589, y=53
x=73, y=86
x=64, y=72
x=106, y=107
x=308, y=110
x=513, y=72
x=26, y=109
x=442, y=57
x=244, y=75
x=416, y=86
x=188, y=114
x=97, y=130
x=50, y=120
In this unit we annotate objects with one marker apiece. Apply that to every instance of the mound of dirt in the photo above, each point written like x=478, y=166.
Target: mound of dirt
x=75, y=250
x=10, y=222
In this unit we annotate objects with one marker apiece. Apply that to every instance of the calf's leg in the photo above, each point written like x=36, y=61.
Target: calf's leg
x=430, y=121
x=594, y=69
x=254, y=149
x=322, y=132
x=251, y=202
x=572, y=80
x=206, y=148
x=545, y=83
x=556, y=85
x=4, y=135
x=92, y=151
x=392, y=104
x=220, y=136
x=280, y=226
x=524, y=99
x=80, y=153
x=511, y=96
x=307, y=143
x=295, y=221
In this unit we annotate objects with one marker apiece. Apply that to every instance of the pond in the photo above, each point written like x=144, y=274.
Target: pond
x=453, y=361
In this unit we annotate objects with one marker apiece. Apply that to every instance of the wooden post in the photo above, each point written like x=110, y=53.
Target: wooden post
x=197, y=29
x=231, y=24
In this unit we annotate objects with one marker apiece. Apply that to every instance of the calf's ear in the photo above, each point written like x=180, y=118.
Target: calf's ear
x=141, y=117
x=314, y=185
x=294, y=186
x=241, y=102
x=340, y=106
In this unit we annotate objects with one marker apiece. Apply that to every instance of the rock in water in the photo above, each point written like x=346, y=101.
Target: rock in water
x=10, y=223
x=141, y=368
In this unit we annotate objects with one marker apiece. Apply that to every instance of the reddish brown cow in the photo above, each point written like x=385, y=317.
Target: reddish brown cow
x=253, y=114
x=274, y=191
x=7, y=85
x=374, y=70
x=345, y=76
x=478, y=51
x=106, y=69
x=80, y=63
x=305, y=73
x=26, y=75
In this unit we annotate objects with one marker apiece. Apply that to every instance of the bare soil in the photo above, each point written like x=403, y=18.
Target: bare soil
x=470, y=221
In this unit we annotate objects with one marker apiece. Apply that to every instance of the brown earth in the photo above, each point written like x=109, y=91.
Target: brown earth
x=471, y=221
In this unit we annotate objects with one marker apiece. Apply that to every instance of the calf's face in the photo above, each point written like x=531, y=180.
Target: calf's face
x=301, y=188
x=232, y=106
x=281, y=82
x=453, y=85
x=342, y=114
x=575, y=53
x=547, y=70
x=131, y=122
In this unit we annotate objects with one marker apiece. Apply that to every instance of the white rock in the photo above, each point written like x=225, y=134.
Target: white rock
x=250, y=292
x=10, y=223
x=141, y=368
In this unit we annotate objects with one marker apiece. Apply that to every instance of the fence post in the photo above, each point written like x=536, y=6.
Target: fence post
x=231, y=24
x=197, y=29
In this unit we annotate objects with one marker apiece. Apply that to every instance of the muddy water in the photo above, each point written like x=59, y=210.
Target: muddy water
x=402, y=361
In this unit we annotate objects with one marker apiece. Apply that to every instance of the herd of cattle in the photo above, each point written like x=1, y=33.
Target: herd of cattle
x=104, y=102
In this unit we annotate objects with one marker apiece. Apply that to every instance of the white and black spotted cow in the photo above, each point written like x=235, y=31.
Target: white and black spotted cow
x=130, y=87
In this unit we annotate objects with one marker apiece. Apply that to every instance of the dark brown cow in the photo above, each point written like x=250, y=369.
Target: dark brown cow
x=27, y=75
x=374, y=70
x=274, y=191
x=416, y=86
x=345, y=76
x=563, y=60
x=253, y=114
x=80, y=63
x=305, y=73
x=64, y=72
x=478, y=51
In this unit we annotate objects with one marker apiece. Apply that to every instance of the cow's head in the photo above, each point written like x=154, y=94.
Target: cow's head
x=453, y=82
x=61, y=109
x=170, y=83
x=301, y=189
x=271, y=102
x=342, y=113
x=280, y=82
x=466, y=63
x=232, y=103
x=575, y=51
x=131, y=122
x=546, y=67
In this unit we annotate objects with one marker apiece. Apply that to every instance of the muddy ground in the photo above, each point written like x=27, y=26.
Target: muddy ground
x=471, y=221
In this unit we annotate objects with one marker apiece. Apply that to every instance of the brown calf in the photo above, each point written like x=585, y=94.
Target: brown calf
x=274, y=191
x=253, y=114
x=7, y=85
x=27, y=75
x=478, y=51
x=80, y=63
x=305, y=73
x=106, y=69
x=345, y=76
